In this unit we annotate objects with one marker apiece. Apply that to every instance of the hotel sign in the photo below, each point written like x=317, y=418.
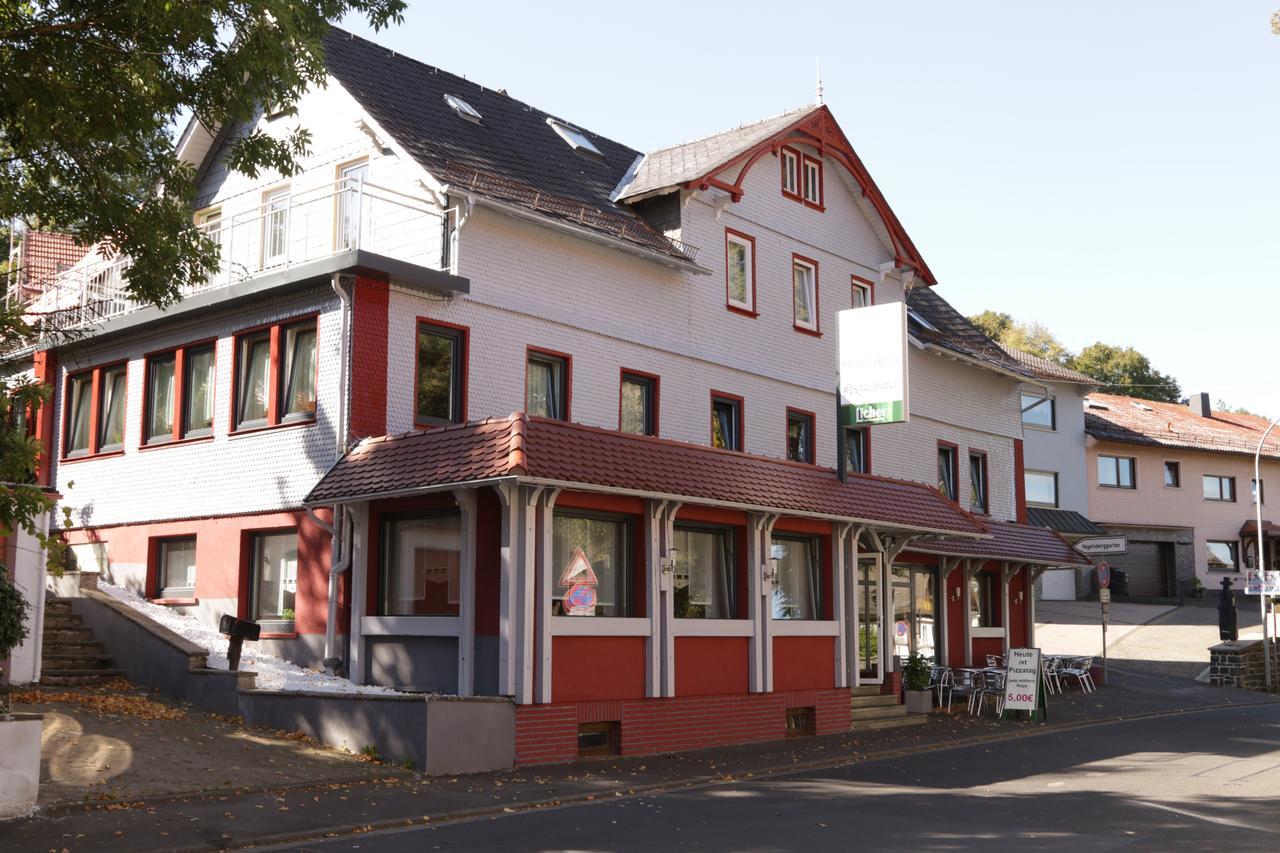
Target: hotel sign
x=873, y=364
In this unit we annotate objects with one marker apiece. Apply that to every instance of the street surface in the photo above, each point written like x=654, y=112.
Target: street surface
x=1207, y=780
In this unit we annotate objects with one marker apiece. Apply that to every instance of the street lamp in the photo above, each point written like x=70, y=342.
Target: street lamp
x=1261, y=561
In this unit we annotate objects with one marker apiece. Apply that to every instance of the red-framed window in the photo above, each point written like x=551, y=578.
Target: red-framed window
x=178, y=394
x=94, y=408
x=862, y=292
x=811, y=181
x=789, y=159
x=949, y=470
x=801, y=427
x=979, y=482
x=740, y=272
x=275, y=371
x=804, y=295
x=440, y=373
x=174, y=567
x=727, y=421
x=638, y=402
x=548, y=383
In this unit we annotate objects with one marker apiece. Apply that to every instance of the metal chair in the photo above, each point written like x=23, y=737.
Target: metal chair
x=1079, y=669
x=967, y=683
x=992, y=685
x=941, y=679
x=1051, y=672
x=995, y=660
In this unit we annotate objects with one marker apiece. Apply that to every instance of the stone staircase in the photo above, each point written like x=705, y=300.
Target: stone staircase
x=875, y=710
x=71, y=655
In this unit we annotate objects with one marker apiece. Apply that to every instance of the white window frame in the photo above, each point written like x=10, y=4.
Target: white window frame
x=1133, y=472
x=1053, y=475
x=749, y=277
x=806, y=163
x=800, y=263
x=790, y=170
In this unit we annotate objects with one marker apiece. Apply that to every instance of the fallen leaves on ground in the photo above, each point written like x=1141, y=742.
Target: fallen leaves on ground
x=120, y=704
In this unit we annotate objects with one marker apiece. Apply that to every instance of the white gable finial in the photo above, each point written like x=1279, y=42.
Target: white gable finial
x=818, y=63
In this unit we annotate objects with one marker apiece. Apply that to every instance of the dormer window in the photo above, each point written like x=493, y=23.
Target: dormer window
x=577, y=139
x=812, y=174
x=462, y=108
x=791, y=173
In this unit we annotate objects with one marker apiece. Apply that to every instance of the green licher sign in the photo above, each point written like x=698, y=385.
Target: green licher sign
x=873, y=365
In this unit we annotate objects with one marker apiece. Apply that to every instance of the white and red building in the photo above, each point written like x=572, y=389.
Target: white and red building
x=467, y=410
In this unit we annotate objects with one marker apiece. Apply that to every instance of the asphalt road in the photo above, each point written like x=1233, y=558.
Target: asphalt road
x=1204, y=780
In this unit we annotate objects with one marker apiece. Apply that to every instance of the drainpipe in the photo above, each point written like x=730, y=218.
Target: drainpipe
x=339, y=562
x=344, y=357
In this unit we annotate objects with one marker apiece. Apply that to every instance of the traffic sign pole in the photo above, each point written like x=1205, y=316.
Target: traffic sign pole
x=1104, y=598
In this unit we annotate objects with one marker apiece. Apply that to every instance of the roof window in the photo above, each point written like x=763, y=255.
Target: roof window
x=577, y=139
x=915, y=315
x=462, y=108
x=1143, y=406
x=1095, y=404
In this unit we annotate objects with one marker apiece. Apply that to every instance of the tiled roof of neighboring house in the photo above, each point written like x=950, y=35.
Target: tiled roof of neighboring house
x=1111, y=417
x=512, y=154
x=689, y=161
x=1063, y=521
x=949, y=329
x=1009, y=541
x=1046, y=369
x=43, y=254
x=1250, y=528
x=561, y=453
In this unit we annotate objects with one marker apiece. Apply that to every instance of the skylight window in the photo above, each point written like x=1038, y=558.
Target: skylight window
x=1096, y=404
x=1143, y=406
x=577, y=139
x=914, y=315
x=462, y=108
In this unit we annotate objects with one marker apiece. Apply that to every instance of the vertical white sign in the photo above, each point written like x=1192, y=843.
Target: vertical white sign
x=873, y=364
x=1022, y=680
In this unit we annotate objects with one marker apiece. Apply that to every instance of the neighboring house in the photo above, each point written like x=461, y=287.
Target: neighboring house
x=1177, y=480
x=38, y=258
x=467, y=411
x=1054, y=456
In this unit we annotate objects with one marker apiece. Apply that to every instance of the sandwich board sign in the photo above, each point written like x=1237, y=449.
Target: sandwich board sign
x=1022, y=681
x=873, y=364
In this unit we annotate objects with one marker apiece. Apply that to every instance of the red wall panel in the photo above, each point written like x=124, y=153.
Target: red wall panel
x=803, y=663
x=709, y=665
x=597, y=668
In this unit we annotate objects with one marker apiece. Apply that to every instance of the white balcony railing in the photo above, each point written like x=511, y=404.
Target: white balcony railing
x=283, y=232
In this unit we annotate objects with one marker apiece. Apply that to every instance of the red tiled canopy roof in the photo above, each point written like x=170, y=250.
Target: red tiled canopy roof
x=1020, y=543
x=1251, y=528
x=572, y=455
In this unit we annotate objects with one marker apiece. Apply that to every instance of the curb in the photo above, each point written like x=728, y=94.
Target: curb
x=705, y=780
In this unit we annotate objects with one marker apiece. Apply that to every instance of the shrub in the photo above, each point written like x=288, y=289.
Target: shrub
x=915, y=672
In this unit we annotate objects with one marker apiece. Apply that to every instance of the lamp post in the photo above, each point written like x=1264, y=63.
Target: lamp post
x=1262, y=568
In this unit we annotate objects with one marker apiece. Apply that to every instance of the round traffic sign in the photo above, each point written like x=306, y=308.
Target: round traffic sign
x=1104, y=575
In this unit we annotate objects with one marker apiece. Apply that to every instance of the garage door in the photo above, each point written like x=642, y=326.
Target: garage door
x=1147, y=568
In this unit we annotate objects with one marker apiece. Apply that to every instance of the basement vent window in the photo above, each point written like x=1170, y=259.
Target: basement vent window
x=800, y=722
x=462, y=108
x=577, y=139
x=599, y=738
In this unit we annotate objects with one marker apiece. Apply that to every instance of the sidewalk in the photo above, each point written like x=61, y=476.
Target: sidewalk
x=314, y=806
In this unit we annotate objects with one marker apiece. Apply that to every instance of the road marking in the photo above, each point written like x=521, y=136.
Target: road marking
x=1222, y=821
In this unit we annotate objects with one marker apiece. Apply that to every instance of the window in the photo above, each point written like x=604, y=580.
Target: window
x=857, y=450
x=462, y=108
x=79, y=408
x=726, y=421
x=161, y=379
x=1218, y=488
x=1116, y=472
x=275, y=227
x=591, y=565
x=163, y=420
x=274, y=573
x=95, y=407
x=547, y=394
x=800, y=436
x=111, y=392
x=984, y=606
x=1042, y=488
x=804, y=287
x=863, y=292
x=797, y=588
x=812, y=173
x=176, y=567
x=441, y=378
x=948, y=473
x=350, y=180
x=791, y=173
x=275, y=376
x=421, y=561
x=1038, y=412
x=599, y=738
x=978, y=498
x=1257, y=491
x=208, y=222
x=1222, y=556
x=577, y=140
x=703, y=584
x=1172, y=474
x=638, y=404
x=740, y=272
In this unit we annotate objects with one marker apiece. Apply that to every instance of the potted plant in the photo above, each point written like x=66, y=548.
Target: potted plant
x=1197, y=588
x=915, y=684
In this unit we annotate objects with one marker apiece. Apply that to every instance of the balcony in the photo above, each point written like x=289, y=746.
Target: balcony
x=290, y=239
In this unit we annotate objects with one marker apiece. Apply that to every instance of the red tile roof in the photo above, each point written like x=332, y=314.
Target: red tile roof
x=573, y=455
x=1134, y=421
x=1251, y=528
x=1018, y=542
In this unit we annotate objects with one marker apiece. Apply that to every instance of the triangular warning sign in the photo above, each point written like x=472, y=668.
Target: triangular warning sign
x=578, y=571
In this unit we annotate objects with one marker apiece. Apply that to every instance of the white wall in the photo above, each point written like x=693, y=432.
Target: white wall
x=1062, y=450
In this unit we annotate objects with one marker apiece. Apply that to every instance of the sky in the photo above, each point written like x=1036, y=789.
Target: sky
x=1105, y=168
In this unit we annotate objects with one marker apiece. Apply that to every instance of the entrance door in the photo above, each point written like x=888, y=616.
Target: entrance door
x=915, y=624
x=870, y=623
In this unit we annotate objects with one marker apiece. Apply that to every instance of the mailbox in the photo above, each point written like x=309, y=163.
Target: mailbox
x=1227, y=630
x=237, y=631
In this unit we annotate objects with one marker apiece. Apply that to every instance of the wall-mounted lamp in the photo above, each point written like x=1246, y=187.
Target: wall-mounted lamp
x=668, y=566
x=955, y=594
x=1018, y=600
x=769, y=571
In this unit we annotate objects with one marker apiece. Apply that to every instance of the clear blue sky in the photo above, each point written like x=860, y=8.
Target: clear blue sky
x=1107, y=168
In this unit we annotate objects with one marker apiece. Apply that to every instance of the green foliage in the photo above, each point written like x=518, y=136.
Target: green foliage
x=915, y=672
x=13, y=617
x=1125, y=371
x=1029, y=337
x=90, y=91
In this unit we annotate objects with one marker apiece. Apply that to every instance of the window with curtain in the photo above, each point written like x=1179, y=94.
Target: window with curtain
x=299, y=380
x=591, y=565
x=111, y=409
x=422, y=562
x=254, y=379
x=177, y=567
x=79, y=411
x=637, y=405
x=160, y=398
x=441, y=361
x=546, y=392
x=800, y=437
x=726, y=423
x=804, y=281
x=703, y=585
x=947, y=472
x=197, y=392
x=856, y=458
x=797, y=588
x=274, y=566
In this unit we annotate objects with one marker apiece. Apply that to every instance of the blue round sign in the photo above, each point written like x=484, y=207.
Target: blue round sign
x=581, y=598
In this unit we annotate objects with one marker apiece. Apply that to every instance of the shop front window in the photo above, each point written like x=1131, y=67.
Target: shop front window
x=591, y=565
x=797, y=589
x=704, y=573
x=422, y=558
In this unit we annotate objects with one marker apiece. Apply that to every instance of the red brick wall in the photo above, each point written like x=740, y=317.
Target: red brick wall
x=547, y=733
x=369, y=358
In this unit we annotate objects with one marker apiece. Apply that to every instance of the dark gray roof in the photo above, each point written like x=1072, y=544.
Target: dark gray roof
x=1063, y=521
x=951, y=330
x=668, y=167
x=1048, y=370
x=511, y=155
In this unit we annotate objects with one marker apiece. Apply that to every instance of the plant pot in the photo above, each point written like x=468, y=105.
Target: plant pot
x=19, y=764
x=918, y=701
x=1198, y=592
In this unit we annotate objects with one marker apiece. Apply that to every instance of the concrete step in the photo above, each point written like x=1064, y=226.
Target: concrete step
x=879, y=712
x=868, y=690
x=890, y=723
x=73, y=647
x=877, y=700
x=67, y=635
x=76, y=663
x=71, y=677
x=60, y=606
x=59, y=621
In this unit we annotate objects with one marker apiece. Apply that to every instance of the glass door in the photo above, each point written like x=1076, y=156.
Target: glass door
x=870, y=624
x=915, y=623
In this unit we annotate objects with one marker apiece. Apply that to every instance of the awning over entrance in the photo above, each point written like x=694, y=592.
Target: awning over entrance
x=1016, y=543
x=538, y=451
x=1269, y=530
x=1064, y=521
